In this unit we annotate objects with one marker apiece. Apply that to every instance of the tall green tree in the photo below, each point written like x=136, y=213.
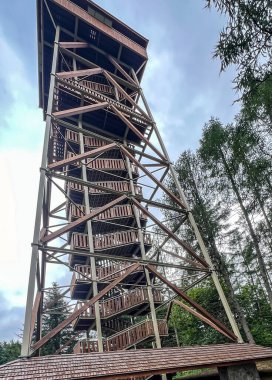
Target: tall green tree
x=218, y=154
x=56, y=310
x=246, y=40
x=210, y=215
x=9, y=351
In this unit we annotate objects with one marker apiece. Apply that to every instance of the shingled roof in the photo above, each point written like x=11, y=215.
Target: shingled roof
x=124, y=364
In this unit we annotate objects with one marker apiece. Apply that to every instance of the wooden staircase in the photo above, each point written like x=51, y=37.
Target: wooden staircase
x=124, y=339
x=133, y=302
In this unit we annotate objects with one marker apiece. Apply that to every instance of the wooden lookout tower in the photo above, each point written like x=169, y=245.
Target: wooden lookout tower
x=104, y=157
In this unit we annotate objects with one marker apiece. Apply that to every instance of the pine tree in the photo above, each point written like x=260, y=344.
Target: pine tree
x=9, y=351
x=56, y=310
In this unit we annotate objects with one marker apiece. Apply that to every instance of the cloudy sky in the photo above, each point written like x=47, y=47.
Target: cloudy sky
x=181, y=83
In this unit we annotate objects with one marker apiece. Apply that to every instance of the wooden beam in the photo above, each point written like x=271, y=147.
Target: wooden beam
x=35, y=312
x=73, y=45
x=122, y=71
x=66, y=344
x=152, y=177
x=180, y=257
x=80, y=110
x=137, y=132
x=202, y=318
x=79, y=221
x=171, y=234
x=79, y=73
x=78, y=312
x=125, y=95
x=191, y=302
x=79, y=157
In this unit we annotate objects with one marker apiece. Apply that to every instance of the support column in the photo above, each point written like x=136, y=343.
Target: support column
x=239, y=372
x=90, y=237
x=201, y=243
x=143, y=254
x=25, y=349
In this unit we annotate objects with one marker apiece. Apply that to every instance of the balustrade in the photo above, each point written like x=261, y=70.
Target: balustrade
x=114, y=239
x=120, y=304
x=107, y=164
x=120, y=186
x=123, y=339
x=90, y=142
x=119, y=211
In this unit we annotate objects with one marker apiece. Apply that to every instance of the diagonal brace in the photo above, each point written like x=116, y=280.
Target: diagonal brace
x=80, y=110
x=170, y=233
x=202, y=318
x=78, y=312
x=84, y=219
x=191, y=302
x=79, y=157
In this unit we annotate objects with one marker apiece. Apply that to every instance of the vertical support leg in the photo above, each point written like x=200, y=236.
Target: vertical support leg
x=143, y=254
x=239, y=372
x=201, y=243
x=25, y=350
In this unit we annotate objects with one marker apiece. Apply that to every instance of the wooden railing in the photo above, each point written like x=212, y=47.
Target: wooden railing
x=105, y=241
x=116, y=324
x=107, y=272
x=120, y=186
x=97, y=96
x=120, y=304
x=90, y=142
x=119, y=211
x=124, y=339
x=100, y=87
x=114, y=164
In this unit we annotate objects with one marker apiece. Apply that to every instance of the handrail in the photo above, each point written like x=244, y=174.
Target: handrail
x=125, y=338
x=119, y=211
x=120, y=303
x=114, y=239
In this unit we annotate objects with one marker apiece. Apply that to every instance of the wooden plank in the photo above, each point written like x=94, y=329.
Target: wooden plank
x=73, y=45
x=78, y=312
x=79, y=73
x=191, y=302
x=79, y=110
x=79, y=157
x=79, y=221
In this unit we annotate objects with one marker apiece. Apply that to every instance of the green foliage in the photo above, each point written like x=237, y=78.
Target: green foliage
x=259, y=316
x=190, y=329
x=56, y=311
x=9, y=351
x=246, y=40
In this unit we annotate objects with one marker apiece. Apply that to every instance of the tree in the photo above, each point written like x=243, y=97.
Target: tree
x=9, y=351
x=218, y=154
x=246, y=40
x=55, y=311
x=211, y=217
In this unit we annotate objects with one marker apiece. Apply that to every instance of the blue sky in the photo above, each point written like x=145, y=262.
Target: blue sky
x=181, y=83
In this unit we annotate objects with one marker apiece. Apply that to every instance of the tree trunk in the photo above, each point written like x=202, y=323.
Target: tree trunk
x=251, y=230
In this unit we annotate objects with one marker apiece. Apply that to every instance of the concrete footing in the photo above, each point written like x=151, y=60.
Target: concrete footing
x=239, y=372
